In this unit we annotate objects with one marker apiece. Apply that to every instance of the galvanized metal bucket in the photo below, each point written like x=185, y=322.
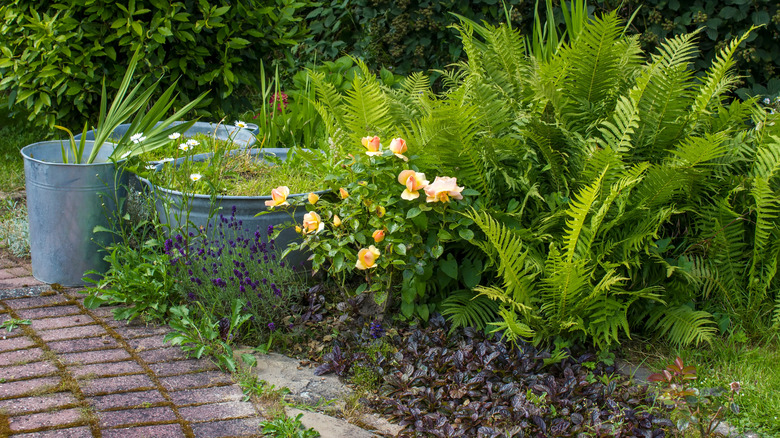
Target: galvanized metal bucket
x=244, y=138
x=65, y=202
x=195, y=212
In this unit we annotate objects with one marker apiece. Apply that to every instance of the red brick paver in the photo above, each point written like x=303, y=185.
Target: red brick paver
x=77, y=373
x=46, y=419
x=207, y=395
x=15, y=274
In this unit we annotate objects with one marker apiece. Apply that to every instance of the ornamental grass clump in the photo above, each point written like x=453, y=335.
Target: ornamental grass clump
x=237, y=264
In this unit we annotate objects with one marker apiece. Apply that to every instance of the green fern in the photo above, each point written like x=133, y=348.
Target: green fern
x=699, y=151
x=665, y=104
x=511, y=258
x=548, y=139
x=595, y=60
x=683, y=325
x=767, y=159
x=465, y=309
x=365, y=107
x=511, y=329
x=718, y=80
x=579, y=208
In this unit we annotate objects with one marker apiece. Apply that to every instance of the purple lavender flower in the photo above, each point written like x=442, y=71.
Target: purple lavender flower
x=271, y=326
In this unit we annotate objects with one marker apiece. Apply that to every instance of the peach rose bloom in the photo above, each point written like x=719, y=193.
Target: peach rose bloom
x=312, y=223
x=367, y=258
x=414, y=182
x=398, y=147
x=442, y=189
x=278, y=197
x=371, y=145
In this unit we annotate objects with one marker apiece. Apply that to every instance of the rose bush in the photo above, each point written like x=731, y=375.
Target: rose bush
x=377, y=224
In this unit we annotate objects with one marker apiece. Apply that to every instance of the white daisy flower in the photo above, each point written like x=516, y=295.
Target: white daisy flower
x=137, y=138
x=240, y=124
x=174, y=136
x=192, y=142
x=150, y=167
x=767, y=101
x=184, y=146
x=195, y=176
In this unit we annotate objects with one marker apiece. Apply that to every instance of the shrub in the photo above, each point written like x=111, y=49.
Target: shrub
x=614, y=189
x=414, y=35
x=758, y=62
x=404, y=35
x=386, y=222
x=216, y=45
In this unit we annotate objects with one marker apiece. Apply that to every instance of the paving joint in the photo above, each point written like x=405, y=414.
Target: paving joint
x=149, y=372
x=72, y=384
x=77, y=372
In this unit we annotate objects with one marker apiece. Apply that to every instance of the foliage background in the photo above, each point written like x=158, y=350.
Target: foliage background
x=56, y=53
x=414, y=35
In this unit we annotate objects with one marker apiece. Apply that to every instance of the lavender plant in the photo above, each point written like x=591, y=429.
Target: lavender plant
x=236, y=263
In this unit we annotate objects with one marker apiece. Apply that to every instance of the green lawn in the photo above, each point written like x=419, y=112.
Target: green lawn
x=14, y=135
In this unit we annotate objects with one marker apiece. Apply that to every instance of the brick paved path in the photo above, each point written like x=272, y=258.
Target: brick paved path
x=15, y=273
x=76, y=373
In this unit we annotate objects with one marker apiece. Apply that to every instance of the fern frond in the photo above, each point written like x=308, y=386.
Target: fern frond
x=617, y=134
x=766, y=164
x=465, y=309
x=594, y=61
x=548, y=139
x=516, y=274
x=619, y=189
x=598, y=161
x=698, y=151
x=579, y=207
x=510, y=328
x=448, y=137
x=725, y=239
x=763, y=266
x=664, y=106
x=683, y=325
x=365, y=108
x=564, y=285
x=767, y=212
x=409, y=103
x=329, y=99
x=607, y=317
x=661, y=185
x=718, y=80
